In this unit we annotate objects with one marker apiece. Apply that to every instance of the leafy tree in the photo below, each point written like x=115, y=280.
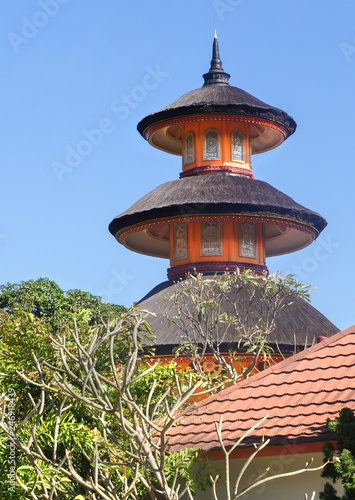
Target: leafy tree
x=43, y=298
x=343, y=465
x=93, y=414
x=46, y=300
x=99, y=311
x=119, y=449
x=32, y=312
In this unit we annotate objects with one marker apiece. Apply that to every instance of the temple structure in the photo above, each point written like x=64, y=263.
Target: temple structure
x=216, y=216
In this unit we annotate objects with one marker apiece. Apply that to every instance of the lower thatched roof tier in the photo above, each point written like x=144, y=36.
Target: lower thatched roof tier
x=297, y=325
x=144, y=227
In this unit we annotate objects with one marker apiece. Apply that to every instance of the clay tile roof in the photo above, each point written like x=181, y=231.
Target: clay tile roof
x=299, y=394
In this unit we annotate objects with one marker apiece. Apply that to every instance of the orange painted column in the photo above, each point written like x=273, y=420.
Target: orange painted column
x=195, y=131
x=230, y=243
x=214, y=243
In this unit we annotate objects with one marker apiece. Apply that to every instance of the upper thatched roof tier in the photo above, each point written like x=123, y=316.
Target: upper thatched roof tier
x=144, y=227
x=269, y=126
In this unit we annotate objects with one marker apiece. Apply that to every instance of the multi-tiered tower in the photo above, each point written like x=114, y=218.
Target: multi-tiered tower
x=217, y=216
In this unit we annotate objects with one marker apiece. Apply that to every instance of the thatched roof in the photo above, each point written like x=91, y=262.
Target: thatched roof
x=218, y=99
x=216, y=194
x=269, y=126
x=298, y=324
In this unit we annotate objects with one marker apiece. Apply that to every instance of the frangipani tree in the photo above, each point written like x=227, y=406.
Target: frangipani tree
x=95, y=423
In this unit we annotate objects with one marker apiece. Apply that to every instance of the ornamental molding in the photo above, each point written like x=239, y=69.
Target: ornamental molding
x=144, y=226
x=214, y=266
x=207, y=169
x=215, y=117
x=242, y=357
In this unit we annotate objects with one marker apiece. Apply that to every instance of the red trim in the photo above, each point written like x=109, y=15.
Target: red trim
x=198, y=118
x=165, y=359
x=214, y=266
x=270, y=451
x=141, y=226
x=217, y=168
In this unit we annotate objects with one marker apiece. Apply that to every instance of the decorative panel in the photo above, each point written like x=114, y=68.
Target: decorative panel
x=189, y=148
x=211, y=238
x=211, y=146
x=247, y=239
x=180, y=241
x=237, y=144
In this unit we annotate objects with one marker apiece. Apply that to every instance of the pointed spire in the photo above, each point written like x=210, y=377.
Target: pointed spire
x=216, y=74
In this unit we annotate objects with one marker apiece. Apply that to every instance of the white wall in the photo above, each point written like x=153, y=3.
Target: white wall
x=289, y=488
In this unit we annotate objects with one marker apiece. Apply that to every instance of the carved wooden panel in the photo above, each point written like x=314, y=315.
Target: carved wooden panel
x=180, y=240
x=189, y=148
x=247, y=239
x=211, y=147
x=237, y=145
x=211, y=238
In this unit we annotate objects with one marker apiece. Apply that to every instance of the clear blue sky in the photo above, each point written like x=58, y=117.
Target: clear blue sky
x=71, y=66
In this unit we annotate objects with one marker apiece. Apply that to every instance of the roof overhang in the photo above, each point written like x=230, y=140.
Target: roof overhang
x=144, y=228
x=269, y=126
x=167, y=135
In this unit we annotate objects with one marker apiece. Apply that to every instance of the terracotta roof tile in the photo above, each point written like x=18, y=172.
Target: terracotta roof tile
x=299, y=394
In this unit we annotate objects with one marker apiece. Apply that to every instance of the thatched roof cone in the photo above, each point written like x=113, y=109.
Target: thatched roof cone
x=289, y=225
x=270, y=126
x=297, y=325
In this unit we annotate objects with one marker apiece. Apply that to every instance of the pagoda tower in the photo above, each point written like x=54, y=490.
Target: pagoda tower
x=216, y=216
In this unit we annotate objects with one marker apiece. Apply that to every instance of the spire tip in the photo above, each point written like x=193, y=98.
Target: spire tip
x=216, y=74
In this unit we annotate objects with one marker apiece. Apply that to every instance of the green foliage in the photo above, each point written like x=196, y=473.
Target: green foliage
x=74, y=434
x=46, y=300
x=342, y=457
x=193, y=467
x=43, y=298
x=100, y=390
x=22, y=334
x=99, y=311
x=33, y=312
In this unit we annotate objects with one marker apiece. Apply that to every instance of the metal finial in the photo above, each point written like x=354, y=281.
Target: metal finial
x=216, y=74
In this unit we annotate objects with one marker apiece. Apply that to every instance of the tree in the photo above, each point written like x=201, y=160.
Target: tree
x=99, y=311
x=96, y=420
x=99, y=448
x=343, y=466
x=30, y=311
x=46, y=300
x=33, y=311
